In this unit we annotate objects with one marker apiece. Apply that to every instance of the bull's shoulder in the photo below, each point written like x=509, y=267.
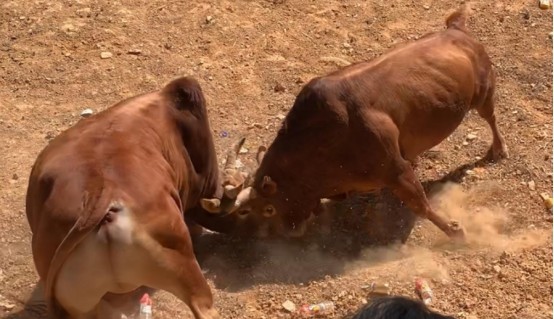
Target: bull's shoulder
x=317, y=105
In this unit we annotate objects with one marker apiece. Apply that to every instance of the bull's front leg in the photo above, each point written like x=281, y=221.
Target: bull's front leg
x=406, y=186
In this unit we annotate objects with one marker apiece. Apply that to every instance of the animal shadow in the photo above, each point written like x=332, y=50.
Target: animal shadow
x=357, y=223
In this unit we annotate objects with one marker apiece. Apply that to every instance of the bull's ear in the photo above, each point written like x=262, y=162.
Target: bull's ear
x=186, y=94
x=269, y=187
x=212, y=205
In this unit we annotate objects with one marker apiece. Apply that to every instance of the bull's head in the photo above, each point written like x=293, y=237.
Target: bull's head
x=261, y=201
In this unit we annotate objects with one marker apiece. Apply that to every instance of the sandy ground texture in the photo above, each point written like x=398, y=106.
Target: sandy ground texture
x=58, y=58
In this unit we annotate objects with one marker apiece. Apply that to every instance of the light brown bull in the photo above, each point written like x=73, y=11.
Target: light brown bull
x=358, y=130
x=106, y=202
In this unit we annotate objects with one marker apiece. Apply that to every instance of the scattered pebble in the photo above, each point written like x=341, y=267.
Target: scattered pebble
x=68, y=28
x=336, y=60
x=496, y=269
x=531, y=185
x=7, y=305
x=15, y=177
x=426, y=7
x=471, y=137
x=135, y=51
x=465, y=143
x=280, y=116
x=106, y=55
x=289, y=306
x=279, y=88
x=84, y=13
x=209, y=19
x=545, y=4
x=87, y=112
x=243, y=150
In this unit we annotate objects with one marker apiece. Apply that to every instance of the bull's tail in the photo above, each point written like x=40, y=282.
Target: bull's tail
x=457, y=20
x=92, y=214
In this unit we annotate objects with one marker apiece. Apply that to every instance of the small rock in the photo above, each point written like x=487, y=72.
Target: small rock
x=87, y=112
x=471, y=137
x=15, y=177
x=255, y=125
x=465, y=143
x=289, y=306
x=426, y=7
x=106, y=55
x=545, y=4
x=280, y=117
x=279, y=88
x=85, y=12
x=243, y=150
x=496, y=269
x=68, y=28
x=209, y=19
x=531, y=185
x=238, y=163
x=550, y=35
x=7, y=305
x=135, y=51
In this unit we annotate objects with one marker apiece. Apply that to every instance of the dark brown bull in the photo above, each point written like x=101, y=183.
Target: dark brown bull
x=107, y=197
x=358, y=129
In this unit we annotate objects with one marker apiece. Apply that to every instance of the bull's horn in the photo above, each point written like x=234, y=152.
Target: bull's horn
x=233, y=153
x=212, y=205
x=244, y=195
x=261, y=153
x=232, y=191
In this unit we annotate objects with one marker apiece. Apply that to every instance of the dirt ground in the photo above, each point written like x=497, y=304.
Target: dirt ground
x=252, y=58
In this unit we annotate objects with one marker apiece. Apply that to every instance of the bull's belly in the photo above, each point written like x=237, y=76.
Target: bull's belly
x=113, y=259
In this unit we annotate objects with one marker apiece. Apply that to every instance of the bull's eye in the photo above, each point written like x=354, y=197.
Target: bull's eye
x=269, y=211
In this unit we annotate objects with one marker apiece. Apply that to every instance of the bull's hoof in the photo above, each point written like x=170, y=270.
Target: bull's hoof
x=498, y=153
x=456, y=232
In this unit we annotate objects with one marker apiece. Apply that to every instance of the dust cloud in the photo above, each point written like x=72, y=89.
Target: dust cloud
x=425, y=253
x=486, y=223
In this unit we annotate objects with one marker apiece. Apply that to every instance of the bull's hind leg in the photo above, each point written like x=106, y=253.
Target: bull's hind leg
x=405, y=185
x=498, y=149
x=174, y=268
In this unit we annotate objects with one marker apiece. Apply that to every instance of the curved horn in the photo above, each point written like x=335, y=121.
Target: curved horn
x=261, y=153
x=233, y=153
x=212, y=205
x=244, y=195
x=231, y=191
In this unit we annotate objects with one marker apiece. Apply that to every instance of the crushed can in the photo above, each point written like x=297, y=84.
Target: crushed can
x=145, y=307
x=378, y=289
x=321, y=308
x=423, y=290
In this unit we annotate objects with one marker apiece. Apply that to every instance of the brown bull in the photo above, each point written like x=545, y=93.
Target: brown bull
x=358, y=129
x=106, y=202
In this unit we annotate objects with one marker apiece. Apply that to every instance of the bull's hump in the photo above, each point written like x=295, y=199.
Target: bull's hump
x=439, y=45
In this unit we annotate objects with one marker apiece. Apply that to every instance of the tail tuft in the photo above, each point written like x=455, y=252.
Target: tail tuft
x=457, y=20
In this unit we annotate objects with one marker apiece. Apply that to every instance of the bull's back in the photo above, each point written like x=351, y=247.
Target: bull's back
x=425, y=88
